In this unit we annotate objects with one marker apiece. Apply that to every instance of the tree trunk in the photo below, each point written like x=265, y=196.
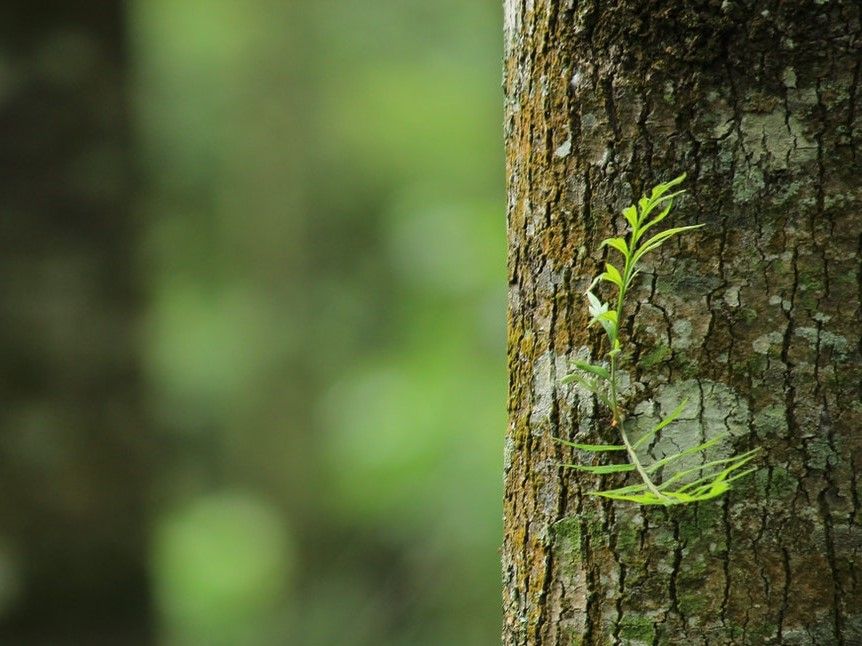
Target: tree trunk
x=757, y=315
x=74, y=477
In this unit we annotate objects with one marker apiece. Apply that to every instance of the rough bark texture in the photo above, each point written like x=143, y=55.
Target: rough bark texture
x=756, y=316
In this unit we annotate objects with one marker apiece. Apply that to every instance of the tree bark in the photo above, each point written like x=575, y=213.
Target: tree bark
x=73, y=447
x=756, y=316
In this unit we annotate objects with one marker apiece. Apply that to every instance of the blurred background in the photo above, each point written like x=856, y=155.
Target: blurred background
x=252, y=374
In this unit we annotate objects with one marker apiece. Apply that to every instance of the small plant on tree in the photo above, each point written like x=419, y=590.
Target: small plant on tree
x=709, y=479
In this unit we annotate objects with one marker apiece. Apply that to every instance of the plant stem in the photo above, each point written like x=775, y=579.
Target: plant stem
x=619, y=421
x=633, y=456
x=616, y=409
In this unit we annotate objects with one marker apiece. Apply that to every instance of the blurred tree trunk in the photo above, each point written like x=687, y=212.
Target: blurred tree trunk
x=72, y=560
x=758, y=314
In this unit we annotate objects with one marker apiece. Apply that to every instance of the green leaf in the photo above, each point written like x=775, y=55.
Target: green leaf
x=661, y=189
x=596, y=370
x=589, y=384
x=676, y=412
x=642, y=499
x=593, y=448
x=629, y=489
x=646, y=209
x=574, y=377
x=617, y=243
x=631, y=278
x=669, y=196
x=689, y=451
x=630, y=213
x=610, y=315
x=735, y=462
x=601, y=469
x=715, y=485
x=667, y=233
x=680, y=499
x=608, y=320
x=713, y=490
x=661, y=216
x=596, y=307
x=612, y=275
x=742, y=474
x=660, y=238
x=657, y=196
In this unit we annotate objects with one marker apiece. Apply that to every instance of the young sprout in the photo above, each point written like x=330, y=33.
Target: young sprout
x=707, y=480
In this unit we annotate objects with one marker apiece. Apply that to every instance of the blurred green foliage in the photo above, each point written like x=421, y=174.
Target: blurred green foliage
x=323, y=254
x=220, y=566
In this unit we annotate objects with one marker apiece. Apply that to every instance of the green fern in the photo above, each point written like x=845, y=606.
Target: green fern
x=683, y=485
